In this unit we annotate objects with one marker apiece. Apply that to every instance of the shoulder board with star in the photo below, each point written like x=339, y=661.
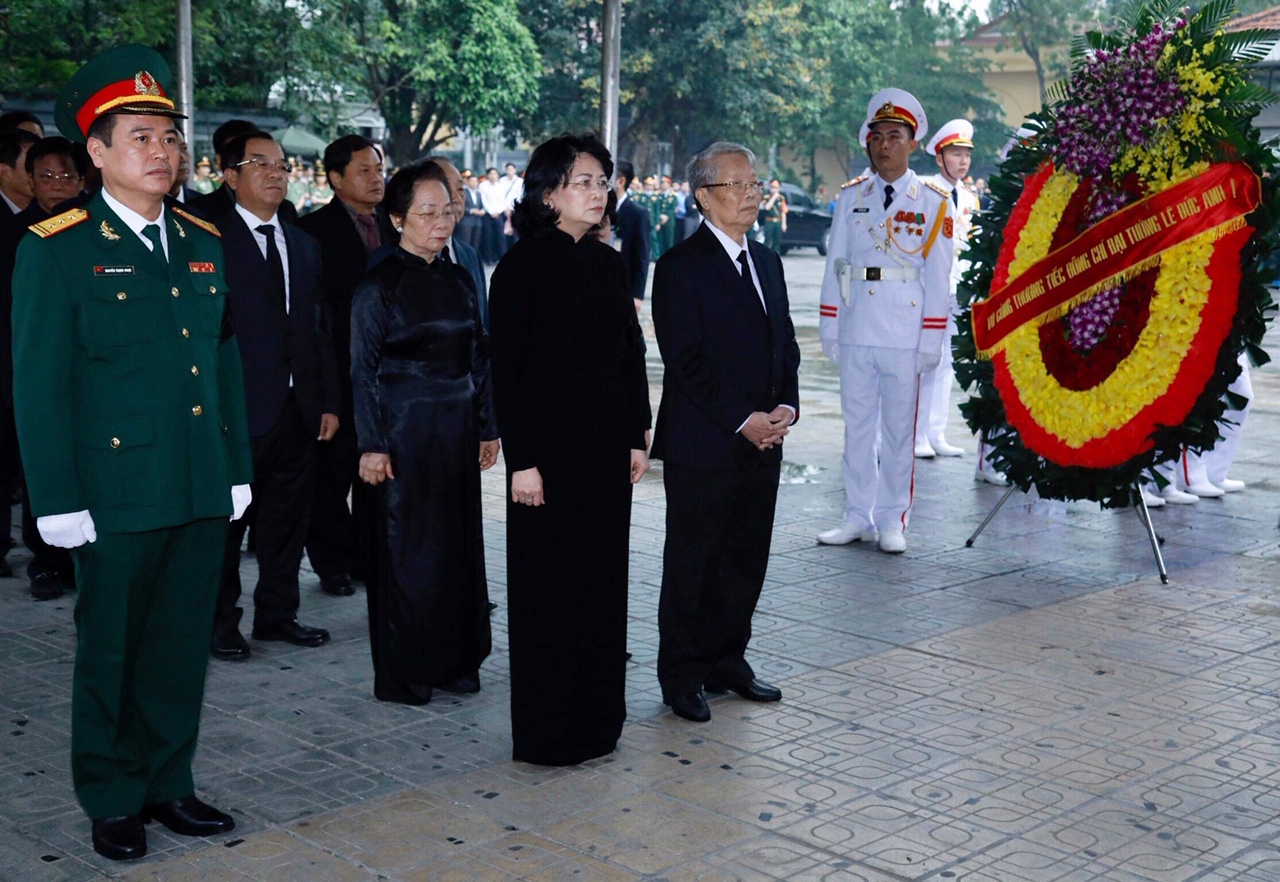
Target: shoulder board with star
x=198, y=221
x=938, y=188
x=854, y=182
x=59, y=223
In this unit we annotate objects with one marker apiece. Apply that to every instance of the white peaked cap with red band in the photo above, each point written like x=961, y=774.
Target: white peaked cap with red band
x=897, y=105
x=956, y=133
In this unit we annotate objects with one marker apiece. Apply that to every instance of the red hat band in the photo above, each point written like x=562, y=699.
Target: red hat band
x=141, y=89
x=954, y=140
x=890, y=112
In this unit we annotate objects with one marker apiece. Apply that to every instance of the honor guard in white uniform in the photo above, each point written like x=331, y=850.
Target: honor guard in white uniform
x=883, y=317
x=952, y=147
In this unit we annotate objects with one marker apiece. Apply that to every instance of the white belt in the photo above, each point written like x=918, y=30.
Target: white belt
x=885, y=273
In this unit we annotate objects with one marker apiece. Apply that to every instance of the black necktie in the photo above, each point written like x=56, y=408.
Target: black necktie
x=747, y=284
x=955, y=196
x=275, y=266
x=444, y=255
x=152, y=232
x=888, y=194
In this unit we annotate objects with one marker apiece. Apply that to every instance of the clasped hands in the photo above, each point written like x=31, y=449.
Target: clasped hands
x=765, y=430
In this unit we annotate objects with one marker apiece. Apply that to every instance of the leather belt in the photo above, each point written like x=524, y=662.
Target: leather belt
x=886, y=273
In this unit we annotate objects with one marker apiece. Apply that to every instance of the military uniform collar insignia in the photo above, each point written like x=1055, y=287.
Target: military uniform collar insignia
x=108, y=232
x=182, y=234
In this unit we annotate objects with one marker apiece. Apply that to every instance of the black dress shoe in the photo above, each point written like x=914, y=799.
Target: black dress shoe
x=189, y=817
x=691, y=706
x=228, y=644
x=751, y=690
x=293, y=632
x=338, y=586
x=492, y=606
x=467, y=684
x=122, y=838
x=47, y=586
x=6, y=571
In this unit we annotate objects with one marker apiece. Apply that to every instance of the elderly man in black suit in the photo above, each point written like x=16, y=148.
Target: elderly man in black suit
x=634, y=231
x=458, y=250
x=350, y=228
x=291, y=394
x=730, y=391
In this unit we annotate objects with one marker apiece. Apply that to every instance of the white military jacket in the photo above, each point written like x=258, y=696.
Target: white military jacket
x=888, y=279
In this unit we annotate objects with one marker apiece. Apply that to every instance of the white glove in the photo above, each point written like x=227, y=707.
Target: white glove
x=927, y=361
x=69, y=530
x=241, y=496
x=831, y=349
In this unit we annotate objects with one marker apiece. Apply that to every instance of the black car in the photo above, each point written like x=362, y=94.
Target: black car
x=808, y=224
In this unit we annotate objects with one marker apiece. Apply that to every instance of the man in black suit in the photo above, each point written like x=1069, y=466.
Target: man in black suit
x=634, y=231
x=350, y=228
x=56, y=168
x=291, y=396
x=15, y=183
x=459, y=251
x=214, y=206
x=730, y=391
x=471, y=226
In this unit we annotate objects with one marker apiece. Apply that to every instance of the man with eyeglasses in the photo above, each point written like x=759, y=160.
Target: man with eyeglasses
x=883, y=318
x=291, y=393
x=130, y=414
x=56, y=169
x=730, y=392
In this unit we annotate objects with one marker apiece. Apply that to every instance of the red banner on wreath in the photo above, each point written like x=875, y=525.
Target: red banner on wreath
x=1114, y=247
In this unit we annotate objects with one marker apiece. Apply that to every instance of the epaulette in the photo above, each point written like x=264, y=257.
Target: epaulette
x=58, y=223
x=938, y=188
x=857, y=180
x=198, y=221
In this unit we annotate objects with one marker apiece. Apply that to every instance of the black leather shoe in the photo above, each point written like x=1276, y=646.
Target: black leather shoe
x=293, y=632
x=464, y=685
x=6, y=571
x=122, y=838
x=189, y=817
x=338, y=586
x=47, y=586
x=751, y=690
x=691, y=707
x=228, y=644
x=492, y=606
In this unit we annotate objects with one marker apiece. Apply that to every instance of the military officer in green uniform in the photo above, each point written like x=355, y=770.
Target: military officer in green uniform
x=131, y=421
x=664, y=218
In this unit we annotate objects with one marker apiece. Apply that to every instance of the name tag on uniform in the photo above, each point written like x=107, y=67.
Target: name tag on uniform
x=862, y=210
x=201, y=267
x=113, y=270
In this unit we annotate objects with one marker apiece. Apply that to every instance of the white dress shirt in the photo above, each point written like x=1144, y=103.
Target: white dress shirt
x=253, y=222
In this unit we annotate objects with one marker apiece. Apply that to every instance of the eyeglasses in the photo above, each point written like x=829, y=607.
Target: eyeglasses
x=50, y=177
x=431, y=217
x=586, y=185
x=749, y=188
x=267, y=165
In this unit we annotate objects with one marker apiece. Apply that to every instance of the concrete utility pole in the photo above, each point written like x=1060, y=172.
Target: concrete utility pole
x=610, y=51
x=186, y=82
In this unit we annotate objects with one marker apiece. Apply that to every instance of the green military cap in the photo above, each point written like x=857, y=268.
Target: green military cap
x=127, y=79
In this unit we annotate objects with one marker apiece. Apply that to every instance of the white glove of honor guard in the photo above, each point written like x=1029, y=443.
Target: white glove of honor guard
x=831, y=349
x=927, y=361
x=69, y=530
x=241, y=496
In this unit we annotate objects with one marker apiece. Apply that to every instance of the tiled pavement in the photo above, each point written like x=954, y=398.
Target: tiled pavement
x=1038, y=707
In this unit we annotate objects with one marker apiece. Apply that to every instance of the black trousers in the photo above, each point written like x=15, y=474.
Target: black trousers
x=493, y=241
x=339, y=539
x=283, y=477
x=719, y=526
